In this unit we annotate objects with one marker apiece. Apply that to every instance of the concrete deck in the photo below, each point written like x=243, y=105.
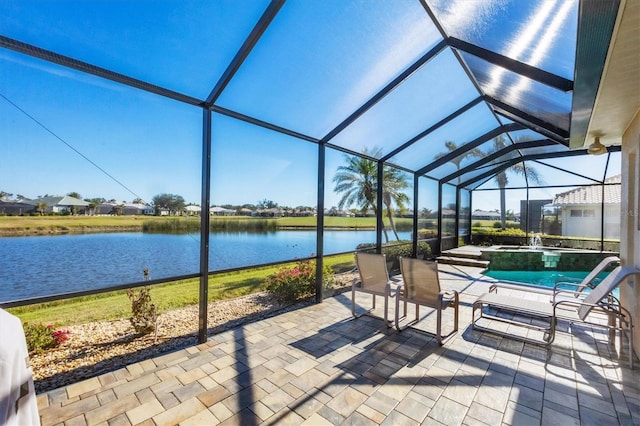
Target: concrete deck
x=318, y=365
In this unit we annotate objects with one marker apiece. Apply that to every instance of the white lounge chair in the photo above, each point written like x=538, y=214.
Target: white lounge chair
x=573, y=309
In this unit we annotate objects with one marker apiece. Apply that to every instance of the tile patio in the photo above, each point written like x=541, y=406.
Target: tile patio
x=317, y=365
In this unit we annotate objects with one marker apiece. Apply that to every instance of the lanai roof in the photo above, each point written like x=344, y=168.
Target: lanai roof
x=411, y=76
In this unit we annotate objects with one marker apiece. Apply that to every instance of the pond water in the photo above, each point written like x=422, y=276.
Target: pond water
x=46, y=265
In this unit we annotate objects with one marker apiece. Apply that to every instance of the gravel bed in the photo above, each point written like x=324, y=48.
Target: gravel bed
x=99, y=347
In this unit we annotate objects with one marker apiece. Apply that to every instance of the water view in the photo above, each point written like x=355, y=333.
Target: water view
x=39, y=266
x=547, y=278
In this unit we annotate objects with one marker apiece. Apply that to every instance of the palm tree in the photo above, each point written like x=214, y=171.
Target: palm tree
x=451, y=147
x=41, y=207
x=393, y=183
x=357, y=180
x=502, y=180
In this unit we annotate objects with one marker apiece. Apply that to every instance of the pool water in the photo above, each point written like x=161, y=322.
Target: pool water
x=542, y=278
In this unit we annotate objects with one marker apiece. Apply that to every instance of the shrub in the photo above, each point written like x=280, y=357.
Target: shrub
x=42, y=337
x=144, y=313
x=290, y=284
x=508, y=225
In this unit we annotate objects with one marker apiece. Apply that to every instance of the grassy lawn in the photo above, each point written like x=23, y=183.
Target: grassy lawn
x=57, y=224
x=178, y=294
x=44, y=225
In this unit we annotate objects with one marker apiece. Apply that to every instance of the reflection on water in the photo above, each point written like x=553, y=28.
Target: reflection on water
x=38, y=266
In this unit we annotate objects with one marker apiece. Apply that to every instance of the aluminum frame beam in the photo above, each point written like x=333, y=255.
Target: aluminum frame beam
x=503, y=166
x=533, y=73
x=66, y=61
x=498, y=154
x=252, y=39
x=560, y=133
x=471, y=145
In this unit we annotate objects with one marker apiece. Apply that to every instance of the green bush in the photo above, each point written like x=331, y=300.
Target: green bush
x=490, y=237
x=42, y=337
x=144, y=313
x=508, y=225
x=292, y=283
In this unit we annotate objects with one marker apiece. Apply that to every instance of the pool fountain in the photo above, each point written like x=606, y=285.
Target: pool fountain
x=535, y=242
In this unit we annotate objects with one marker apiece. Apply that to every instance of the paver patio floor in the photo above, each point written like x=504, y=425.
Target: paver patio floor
x=317, y=365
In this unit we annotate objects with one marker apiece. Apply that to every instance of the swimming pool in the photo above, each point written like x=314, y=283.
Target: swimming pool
x=542, y=278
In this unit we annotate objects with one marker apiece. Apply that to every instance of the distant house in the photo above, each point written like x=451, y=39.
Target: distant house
x=106, y=208
x=63, y=204
x=17, y=208
x=333, y=211
x=221, y=211
x=485, y=215
x=273, y=212
x=448, y=214
x=128, y=209
x=367, y=213
x=192, y=210
x=244, y=212
x=137, y=209
x=302, y=213
x=581, y=210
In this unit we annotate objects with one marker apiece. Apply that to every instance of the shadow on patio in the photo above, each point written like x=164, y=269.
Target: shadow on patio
x=317, y=365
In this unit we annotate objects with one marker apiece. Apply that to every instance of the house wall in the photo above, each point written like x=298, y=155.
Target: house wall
x=612, y=221
x=581, y=226
x=630, y=222
x=591, y=226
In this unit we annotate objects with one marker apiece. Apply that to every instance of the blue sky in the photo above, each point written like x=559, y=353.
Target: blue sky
x=59, y=127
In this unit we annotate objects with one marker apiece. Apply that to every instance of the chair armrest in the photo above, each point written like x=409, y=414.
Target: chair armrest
x=572, y=287
x=519, y=287
x=577, y=284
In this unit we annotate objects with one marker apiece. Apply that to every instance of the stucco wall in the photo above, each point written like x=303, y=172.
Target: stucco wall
x=630, y=235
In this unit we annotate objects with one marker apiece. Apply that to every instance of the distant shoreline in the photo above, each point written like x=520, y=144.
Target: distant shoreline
x=27, y=226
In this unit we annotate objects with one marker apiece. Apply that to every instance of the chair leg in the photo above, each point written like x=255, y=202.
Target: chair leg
x=455, y=313
x=439, y=326
x=386, y=311
x=353, y=301
x=397, y=311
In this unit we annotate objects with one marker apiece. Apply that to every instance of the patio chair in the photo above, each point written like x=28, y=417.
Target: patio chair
x=422, y=288
x=575, y=310
x=374, y=280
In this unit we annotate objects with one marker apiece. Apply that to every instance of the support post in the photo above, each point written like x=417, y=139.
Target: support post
x=204, y=225
x=416, y=215
x=320, y=224
x=379, y=208
x=439, y=239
